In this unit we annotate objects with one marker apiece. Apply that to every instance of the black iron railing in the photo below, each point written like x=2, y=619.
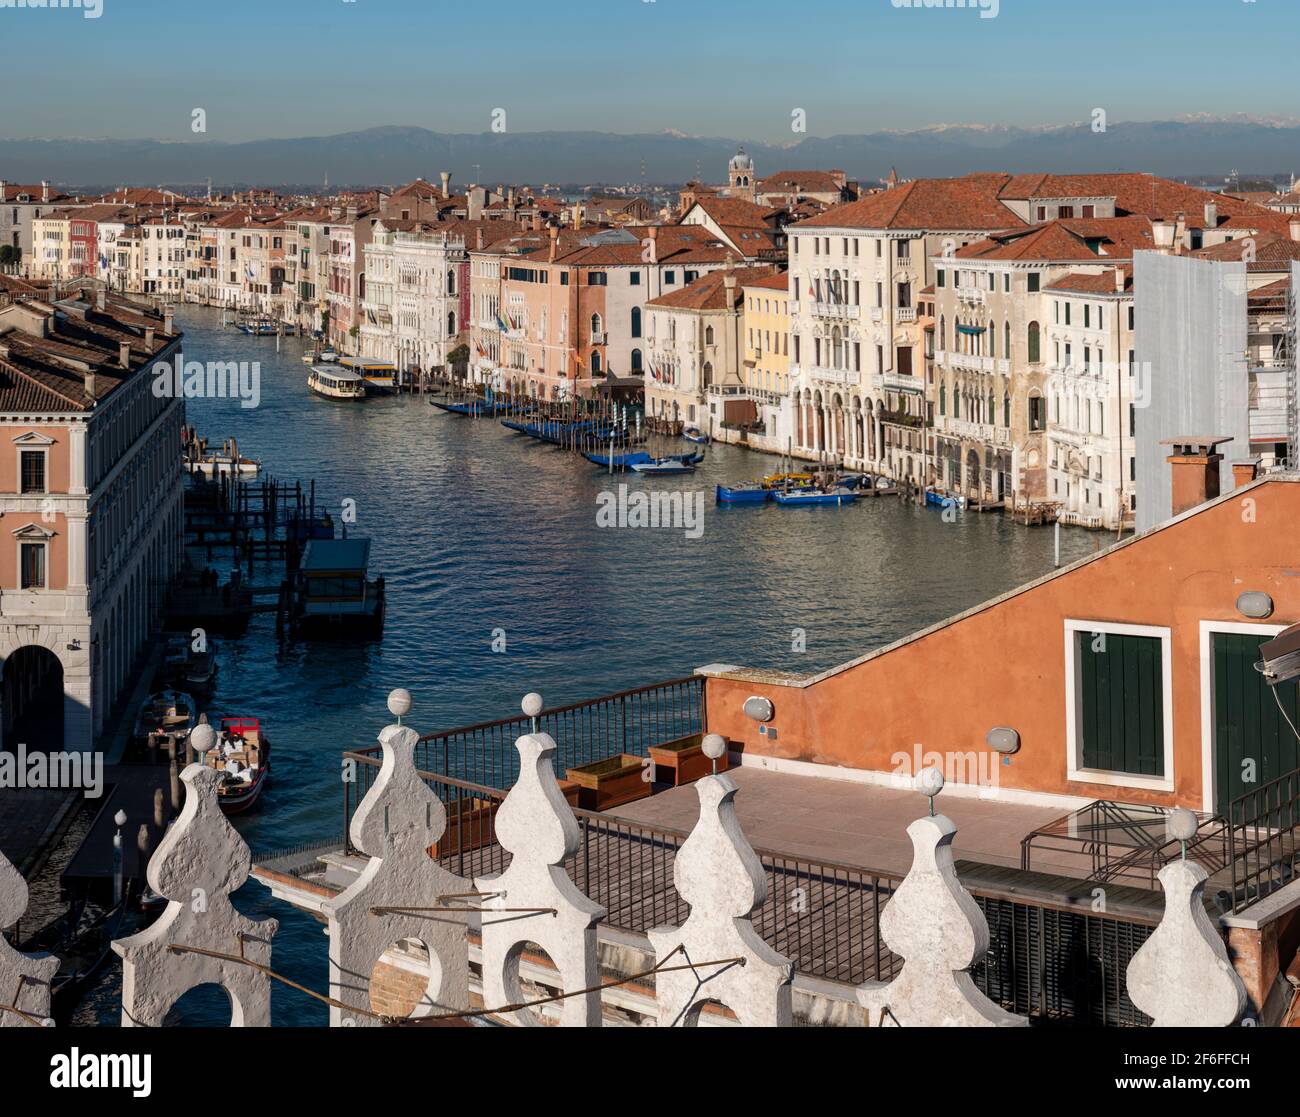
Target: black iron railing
x=1263, y=831
x=1044, y=962
x=627, y=722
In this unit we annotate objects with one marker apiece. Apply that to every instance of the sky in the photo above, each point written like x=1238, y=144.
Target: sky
x=265, y=69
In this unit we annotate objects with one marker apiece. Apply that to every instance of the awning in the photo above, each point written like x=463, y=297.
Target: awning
x=970, y=329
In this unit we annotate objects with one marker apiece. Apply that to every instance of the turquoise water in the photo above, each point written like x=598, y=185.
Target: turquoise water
x=480, y=531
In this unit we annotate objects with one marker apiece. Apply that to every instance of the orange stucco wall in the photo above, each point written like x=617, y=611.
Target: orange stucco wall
x=57, y=463
x=1005, y=665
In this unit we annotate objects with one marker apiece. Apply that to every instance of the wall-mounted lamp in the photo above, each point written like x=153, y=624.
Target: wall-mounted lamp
x=1255, y=604
x=74, y=645
x=1001, y=738
x=759, y=708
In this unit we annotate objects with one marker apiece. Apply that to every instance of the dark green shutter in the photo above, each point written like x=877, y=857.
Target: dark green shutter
x=1247, y=722
x=1121, y=703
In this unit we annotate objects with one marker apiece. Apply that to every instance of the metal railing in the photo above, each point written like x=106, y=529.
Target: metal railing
x=629, y=721
x=1263, y=834
x=1046, y=962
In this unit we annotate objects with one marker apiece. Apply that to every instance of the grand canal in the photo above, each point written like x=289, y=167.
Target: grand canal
x=486, y=538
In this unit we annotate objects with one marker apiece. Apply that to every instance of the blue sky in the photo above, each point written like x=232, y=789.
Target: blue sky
x=272, y=68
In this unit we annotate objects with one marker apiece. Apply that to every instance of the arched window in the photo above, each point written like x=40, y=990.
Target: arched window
x=943, y=334
x=943, y=398
x=636, y=321
x=595, y=326
x=708, y=335
x=451, y=323
x=595, y=363
x=451, y=283
x=636, y=360
x=1033, y=343
x=1006, y=409
x=837, y=348
x=992, y=412
x=956, y=401
x=1006, y=338
x=708, y=374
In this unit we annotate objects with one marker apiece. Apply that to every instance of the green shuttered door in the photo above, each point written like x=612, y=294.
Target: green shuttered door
x=1121, y=703
x=1247, y=723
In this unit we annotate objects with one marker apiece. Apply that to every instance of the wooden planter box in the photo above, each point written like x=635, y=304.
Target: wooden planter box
x=570, y=790
x=469, y=826
x=684, y=758
x=610, y=783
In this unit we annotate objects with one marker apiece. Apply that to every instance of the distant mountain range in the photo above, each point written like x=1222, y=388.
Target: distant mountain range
x=375, y=156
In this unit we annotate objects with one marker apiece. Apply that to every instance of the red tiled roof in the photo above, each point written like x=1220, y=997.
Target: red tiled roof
x=709, y=292
x=971, y=202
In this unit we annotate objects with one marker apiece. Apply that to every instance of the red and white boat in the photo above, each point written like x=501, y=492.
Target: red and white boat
x=242, y=754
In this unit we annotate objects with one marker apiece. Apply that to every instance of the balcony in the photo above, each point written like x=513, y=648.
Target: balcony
x=898, y=382
x=836, y=310
x=826, y=375
x=905, y=314
x=977, y=296
x=968, y=361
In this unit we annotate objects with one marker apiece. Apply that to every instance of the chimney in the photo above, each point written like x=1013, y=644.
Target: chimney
x=474, y=202
x=124, y=354
x=352, y=213
x=1180, y=234
x=653, y=234
x=478, y=237
x=446, y=184
x=1162, y=234
x=577, y=215
x=45, y=191
x=1195, y=475
x=555, y=237
x=537, y=221
x=99, y=300
x=1211, y=215
x=510, y=199
x=92, y=386
x=148, y=338
x=1294, y=225
x=167, y=322
x=1119, y=281
x=1244, y=471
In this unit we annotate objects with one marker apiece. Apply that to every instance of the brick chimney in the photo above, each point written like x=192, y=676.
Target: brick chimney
x=1119, y=281
x=1294, y=225
x=1244, y=471
x=148, y=338
x=91, y=385
x=1195, y=475
x=1211, y=215
x=124, y=354
x=577, y=215
x=168, y=322
x=45, y=191
x=478, y=238
x=653, y=234
x=446, y=184
x=555, y=238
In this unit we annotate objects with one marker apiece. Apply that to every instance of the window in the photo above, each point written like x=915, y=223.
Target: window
x=670, y=277
x=634, y=279
x=636, y=360
x=597, y=279
x=33, y=471
x=636, y=321
x=1037, y=414
x=1034, y=355
x=940, y=278
x=1031, y=281
x=32, y=563
x=1119, y=709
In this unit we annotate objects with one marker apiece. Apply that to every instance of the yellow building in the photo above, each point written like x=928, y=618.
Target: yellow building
x=51, y=246
x=765, y=367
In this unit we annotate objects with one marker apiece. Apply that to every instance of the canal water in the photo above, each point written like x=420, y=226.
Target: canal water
x=487, y=540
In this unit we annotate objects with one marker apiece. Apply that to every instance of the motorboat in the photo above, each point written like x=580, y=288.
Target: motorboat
x=337, y=384
x=242, y=754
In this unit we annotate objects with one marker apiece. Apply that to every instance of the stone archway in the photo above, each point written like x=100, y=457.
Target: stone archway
x=32, y=699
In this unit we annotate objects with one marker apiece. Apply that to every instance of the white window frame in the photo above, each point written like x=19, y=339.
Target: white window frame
x=1208, y=629
x=1075, y=772
x=32, y=534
